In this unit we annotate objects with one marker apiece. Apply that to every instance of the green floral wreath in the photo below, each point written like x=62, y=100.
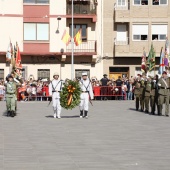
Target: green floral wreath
x=70, y=95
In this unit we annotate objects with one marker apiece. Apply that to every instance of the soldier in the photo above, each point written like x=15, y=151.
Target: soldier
x=142, y=87
x=10, y=96
x=154, y=95
x=147, y=94
x=163, y=93
x=87, y=92
x=137, y=92
x=55, y=88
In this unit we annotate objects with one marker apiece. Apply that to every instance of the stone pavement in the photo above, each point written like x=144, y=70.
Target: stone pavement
x=115, y=137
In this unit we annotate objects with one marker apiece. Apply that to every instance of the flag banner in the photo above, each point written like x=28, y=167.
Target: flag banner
x=18, y=64
x=66, y=38
x=9, y=53
x=78, y=38
x=161, y=65
x=166, y=57
x=151, y=59
x=143, y=63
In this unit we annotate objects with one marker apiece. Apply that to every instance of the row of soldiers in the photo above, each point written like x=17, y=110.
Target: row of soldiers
x=153, y=91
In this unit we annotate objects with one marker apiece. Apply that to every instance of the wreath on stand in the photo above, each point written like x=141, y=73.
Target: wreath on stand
x=70, y=95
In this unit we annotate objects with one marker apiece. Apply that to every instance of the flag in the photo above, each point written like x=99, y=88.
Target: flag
x=143, y=63
x=9, y=52
x=161, y=65
x=166, y=57
x=66, y=38
x=78, y=38
x=151, y=59
x=18, y=64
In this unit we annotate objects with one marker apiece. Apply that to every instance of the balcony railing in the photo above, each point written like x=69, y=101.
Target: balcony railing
x=122, y=42
x=89, y=47
x=81, y=9
x=122, y=7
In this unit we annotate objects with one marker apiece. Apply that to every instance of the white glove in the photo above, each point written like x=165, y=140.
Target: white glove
x=159, y=84
x=154, y=81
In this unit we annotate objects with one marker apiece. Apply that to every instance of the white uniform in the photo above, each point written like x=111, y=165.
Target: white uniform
x=86, y=88
x=54, y=90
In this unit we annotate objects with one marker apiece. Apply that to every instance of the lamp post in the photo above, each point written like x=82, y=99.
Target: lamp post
x=72, y=44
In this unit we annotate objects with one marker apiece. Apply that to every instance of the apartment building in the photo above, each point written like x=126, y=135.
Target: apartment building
x=38, y=25
x=129, y=26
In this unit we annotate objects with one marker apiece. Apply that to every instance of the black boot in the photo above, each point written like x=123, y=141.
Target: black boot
x=12, y=114
x=8, y=113
x=85, y=114
x=81, y=113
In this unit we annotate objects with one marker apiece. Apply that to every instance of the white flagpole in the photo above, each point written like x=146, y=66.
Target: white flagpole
x=72, y=46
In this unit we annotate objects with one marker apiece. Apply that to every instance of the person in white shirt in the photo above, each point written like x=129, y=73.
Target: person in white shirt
x=87, y=91
x=55, y=88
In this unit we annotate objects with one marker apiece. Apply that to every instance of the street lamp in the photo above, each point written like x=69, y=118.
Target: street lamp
x=57, y=31
x=72, y=44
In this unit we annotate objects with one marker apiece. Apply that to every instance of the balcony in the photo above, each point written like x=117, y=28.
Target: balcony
x=82, y=9
x=85, y=48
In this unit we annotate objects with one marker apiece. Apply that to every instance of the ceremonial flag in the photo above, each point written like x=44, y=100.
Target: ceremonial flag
x=18, y=64
x=78, y=38
x=66, y=38
x=143, y=63
x=151, y=59
x=9, y=52
x=166, y=57
x=161, y=65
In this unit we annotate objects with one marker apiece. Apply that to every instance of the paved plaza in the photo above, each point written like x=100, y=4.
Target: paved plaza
x=115, y=137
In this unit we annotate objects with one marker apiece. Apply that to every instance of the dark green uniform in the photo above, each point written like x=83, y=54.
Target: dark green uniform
x=137, y=93
x=11, y=97
x=163, y=95
x=147, y=94
x=142, y=86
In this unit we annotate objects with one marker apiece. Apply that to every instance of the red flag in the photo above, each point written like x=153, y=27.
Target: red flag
x=66, y=38
x=18, y=59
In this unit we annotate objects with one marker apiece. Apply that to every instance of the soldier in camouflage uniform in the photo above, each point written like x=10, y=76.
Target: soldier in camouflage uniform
x=142, y=87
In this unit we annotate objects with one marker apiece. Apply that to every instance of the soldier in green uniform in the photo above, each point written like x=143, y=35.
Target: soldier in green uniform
x=142, y=87
x=147, y=94
x=10, y=96
x=137, y=92
x=163, y=94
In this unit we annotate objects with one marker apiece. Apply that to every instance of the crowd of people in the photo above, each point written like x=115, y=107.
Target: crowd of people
x=104, y=89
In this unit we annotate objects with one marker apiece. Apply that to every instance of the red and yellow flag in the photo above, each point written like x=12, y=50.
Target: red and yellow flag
x=78, y=38
x=18, y=59
x=66, y=38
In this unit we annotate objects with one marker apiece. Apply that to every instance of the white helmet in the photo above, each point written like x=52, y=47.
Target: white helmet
x=55, y=74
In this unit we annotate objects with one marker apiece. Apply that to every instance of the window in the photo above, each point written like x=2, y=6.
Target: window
x=160, y=2
x=78, y=73
x=76, y=29
x=121, y=2
x=140, y=32
x=1, y=74
x=37, y=1
x=36, y=31
x=44, y=74
x=140, y=2
x=159, y=32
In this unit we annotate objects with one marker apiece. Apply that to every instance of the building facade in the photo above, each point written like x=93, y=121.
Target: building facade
x=129, y=27
x=38, y=25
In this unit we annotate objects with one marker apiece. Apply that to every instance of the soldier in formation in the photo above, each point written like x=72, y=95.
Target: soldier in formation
x=153, y=91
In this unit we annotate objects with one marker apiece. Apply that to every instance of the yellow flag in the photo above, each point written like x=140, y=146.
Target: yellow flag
x=66, y=37
x=78, y=38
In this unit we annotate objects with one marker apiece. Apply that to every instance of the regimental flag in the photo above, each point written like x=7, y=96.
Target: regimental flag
x=143, y=63
x=66, y=38
x=18, y=64
x=161, y=65
x=151, y=59
x=78, y=38
x=9, y=52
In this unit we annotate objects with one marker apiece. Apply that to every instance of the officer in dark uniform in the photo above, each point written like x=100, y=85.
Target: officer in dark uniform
x=119, y=84
x=104, y=83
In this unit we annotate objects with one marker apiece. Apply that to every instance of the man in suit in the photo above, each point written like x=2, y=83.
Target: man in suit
x=163, y=94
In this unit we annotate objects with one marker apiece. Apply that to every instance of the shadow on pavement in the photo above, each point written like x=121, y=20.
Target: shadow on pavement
x=50, y=116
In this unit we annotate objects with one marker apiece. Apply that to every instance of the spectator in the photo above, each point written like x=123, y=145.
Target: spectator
x=104, y=83
x=119, y=84
x=124, y=89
